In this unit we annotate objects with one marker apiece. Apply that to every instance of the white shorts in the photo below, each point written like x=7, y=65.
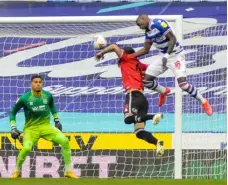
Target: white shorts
x=176, y=63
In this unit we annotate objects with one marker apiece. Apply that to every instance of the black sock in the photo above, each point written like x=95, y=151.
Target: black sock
x=147, y=136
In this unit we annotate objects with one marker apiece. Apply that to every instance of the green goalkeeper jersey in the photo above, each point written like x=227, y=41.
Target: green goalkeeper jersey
x=36, y=109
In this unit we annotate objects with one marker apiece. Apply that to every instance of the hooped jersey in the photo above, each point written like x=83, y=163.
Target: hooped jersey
x=156, y=33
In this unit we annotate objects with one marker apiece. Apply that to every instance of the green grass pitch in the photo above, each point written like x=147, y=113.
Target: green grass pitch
x=63, y=181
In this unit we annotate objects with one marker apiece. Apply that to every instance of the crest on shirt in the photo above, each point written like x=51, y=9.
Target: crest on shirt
x=45, y=101
x=134, y=110
x=31, y=103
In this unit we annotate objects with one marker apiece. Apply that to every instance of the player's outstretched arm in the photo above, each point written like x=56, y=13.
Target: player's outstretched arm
x=17, y=106
x=110, y=48
x=14, y=132
x=53, y=109
x=145, y=50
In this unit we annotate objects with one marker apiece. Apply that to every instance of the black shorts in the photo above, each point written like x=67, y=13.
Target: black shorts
x=135, y=104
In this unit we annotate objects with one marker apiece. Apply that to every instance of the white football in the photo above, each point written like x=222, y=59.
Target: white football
x=99, y=42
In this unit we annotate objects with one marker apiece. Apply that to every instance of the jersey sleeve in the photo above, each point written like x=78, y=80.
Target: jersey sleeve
x=147, y=38
x=17, y=106
x=142, y=66
x=53, y=107
x=126, y=57
x=162, y=26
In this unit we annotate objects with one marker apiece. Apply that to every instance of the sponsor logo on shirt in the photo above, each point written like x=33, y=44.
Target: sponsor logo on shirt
x=38, y=108
x=45, y=101
x=164, y=25
x=35, y=109
x=134, y=110
x=42, y=107
x=159, y=39
x=152, y=32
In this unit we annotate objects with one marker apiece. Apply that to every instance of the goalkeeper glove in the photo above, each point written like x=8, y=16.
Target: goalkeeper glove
x=14, y=132
x=58, y=125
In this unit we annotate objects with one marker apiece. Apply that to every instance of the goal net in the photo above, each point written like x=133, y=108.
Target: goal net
x=89, y=97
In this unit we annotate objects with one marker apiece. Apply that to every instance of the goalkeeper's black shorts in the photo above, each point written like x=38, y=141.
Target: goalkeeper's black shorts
x=135, y=104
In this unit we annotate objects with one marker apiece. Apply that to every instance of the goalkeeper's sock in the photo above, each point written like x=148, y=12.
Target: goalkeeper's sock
x=22, y=155
x=145, y=135
x=18, y=169
x=190, y=89
x=66, y=151
x=67, y=158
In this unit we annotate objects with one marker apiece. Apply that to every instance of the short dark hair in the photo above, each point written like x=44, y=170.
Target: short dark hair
x=36, y=76
x=141, y=16
x=128, y=50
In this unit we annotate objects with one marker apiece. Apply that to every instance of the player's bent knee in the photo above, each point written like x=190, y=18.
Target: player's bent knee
x=61, y=139
x=149, y=77
x=150, y=84
x=128, y=120
x=65, y=142
x=139, y=133
x=27, y=148
x=181, y=80
x=185, y=86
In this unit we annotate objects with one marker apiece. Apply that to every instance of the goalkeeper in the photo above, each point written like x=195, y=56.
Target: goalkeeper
x=136, y=104
x=37, y=105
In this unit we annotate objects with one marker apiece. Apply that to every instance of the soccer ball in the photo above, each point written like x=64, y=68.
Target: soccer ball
x=99, y=42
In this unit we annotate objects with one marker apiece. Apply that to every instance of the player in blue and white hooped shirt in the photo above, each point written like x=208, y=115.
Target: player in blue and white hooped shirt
x=159, y=34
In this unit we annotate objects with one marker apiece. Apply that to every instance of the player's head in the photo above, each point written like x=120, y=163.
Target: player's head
x=128, y=50
x=143, y=21
x=36, y=83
